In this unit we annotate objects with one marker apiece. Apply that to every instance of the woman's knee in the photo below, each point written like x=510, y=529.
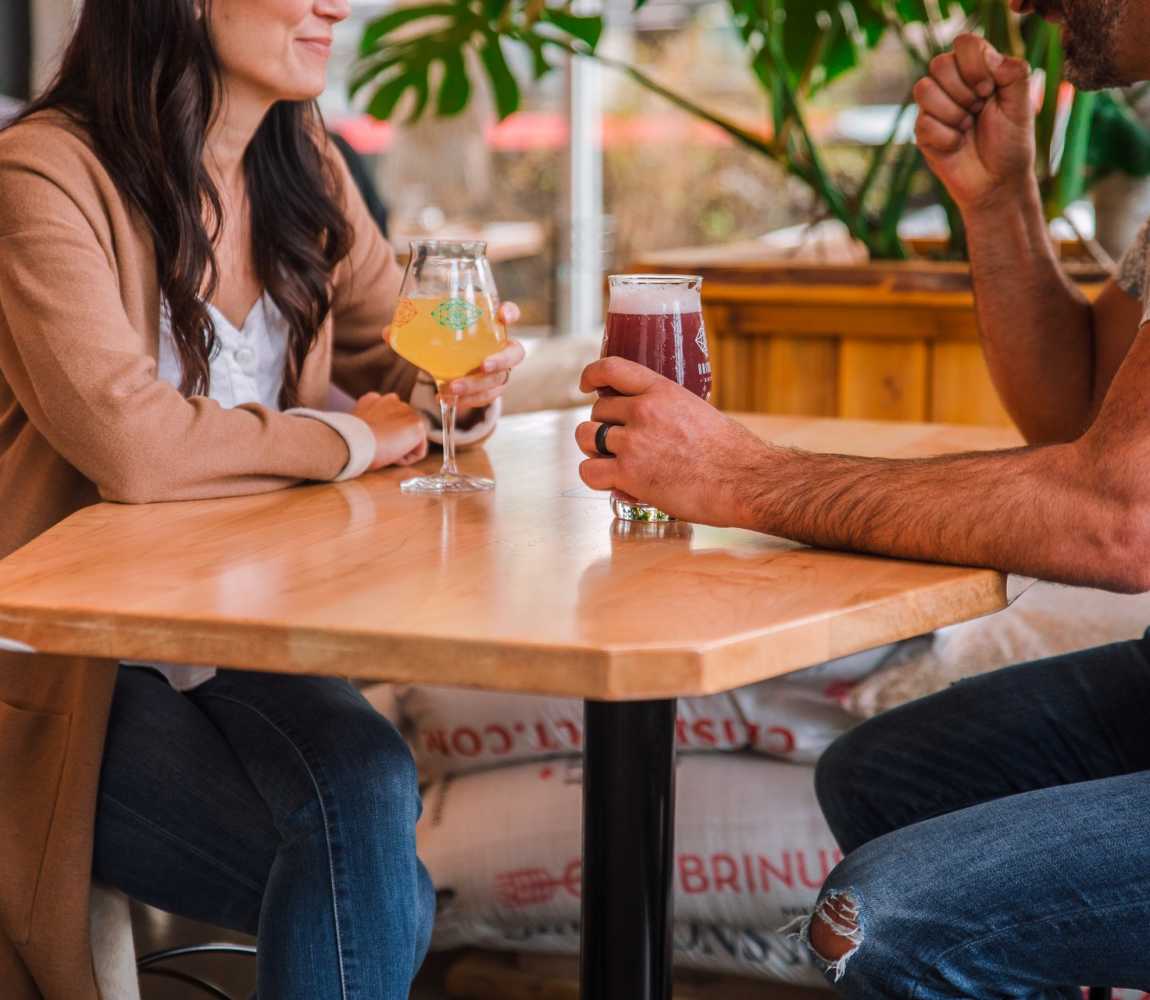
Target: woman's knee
x=374, y=771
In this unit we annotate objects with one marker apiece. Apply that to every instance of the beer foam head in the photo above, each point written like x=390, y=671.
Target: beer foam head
x=651, y=297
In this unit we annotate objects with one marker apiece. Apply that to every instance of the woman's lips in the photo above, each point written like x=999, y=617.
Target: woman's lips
x=320, y=46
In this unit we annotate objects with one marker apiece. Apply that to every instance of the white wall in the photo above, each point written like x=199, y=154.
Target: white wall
x=51, y=26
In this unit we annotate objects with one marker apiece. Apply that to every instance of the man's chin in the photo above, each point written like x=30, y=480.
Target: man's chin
x=1092, y=77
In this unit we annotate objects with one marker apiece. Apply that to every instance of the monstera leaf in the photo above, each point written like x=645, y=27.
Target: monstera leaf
x=823, y=39
x=805, y=44
x=423, y=49
x=418, y=48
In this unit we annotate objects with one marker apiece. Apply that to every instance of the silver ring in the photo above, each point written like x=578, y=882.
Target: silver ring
x=601, y=441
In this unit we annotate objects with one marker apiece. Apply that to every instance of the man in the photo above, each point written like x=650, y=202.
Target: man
x=998, y=833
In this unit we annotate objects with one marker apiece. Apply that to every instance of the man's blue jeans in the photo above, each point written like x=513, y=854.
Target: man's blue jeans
x=277, y=805
x=998, y=835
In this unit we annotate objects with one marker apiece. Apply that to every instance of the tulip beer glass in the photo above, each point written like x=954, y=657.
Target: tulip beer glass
x=447, y=324
x=657, y=320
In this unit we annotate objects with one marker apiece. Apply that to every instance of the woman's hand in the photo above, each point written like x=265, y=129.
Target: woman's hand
x=400, y=433
x=487, y=383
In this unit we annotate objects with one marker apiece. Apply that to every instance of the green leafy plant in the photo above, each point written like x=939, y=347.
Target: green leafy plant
x=794, y=48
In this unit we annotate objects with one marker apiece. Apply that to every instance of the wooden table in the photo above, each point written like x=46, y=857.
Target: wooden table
x=531, y=588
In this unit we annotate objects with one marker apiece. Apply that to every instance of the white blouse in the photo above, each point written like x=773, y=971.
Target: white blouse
x=248, y=367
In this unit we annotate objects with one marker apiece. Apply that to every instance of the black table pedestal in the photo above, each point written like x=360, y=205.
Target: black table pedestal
x=628, y=849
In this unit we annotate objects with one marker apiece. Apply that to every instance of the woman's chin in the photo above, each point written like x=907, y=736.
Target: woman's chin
x=302, y=93
x=305, y=84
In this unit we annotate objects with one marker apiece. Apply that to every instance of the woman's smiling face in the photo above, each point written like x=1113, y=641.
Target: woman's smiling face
x=275, y=49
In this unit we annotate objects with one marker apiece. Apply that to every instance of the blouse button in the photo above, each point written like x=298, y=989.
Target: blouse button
x=245, y=356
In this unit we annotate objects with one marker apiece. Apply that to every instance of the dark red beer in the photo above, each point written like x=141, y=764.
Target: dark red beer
x=657, y=321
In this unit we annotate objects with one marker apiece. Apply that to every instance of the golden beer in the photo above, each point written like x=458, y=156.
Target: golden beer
x=446, y=324
x=446, y=337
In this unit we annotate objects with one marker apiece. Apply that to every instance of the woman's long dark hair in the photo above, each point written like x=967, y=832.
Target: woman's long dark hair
x=142, y=77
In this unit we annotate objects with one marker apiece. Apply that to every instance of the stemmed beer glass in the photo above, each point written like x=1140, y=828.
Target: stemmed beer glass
x=447, y=324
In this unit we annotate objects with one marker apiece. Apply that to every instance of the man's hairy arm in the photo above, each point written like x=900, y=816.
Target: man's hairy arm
x=995, y=509
x=1050, y=352
x=1037, y=329
x=1076, y=512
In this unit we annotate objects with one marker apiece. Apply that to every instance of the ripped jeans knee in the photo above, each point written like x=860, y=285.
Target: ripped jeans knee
x=833, y=931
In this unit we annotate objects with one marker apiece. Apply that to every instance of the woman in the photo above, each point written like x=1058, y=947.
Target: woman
x=183, y=261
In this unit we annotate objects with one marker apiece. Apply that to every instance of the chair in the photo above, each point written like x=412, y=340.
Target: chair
x=113, y=948
x=118, y=971
x=150, y=965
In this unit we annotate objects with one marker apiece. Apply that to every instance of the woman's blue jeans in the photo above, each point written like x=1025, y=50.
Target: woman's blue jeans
x=282, y=806
x=997, y=835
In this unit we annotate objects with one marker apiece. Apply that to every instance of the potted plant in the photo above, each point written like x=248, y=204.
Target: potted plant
x=894, y=338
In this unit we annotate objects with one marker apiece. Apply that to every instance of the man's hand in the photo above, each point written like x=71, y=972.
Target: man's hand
x=400, y=433
x=672, y=450
x=1076, y=513
x=976, y=124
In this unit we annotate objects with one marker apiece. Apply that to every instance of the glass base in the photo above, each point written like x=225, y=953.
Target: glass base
x=445, y=483
x=627, y=510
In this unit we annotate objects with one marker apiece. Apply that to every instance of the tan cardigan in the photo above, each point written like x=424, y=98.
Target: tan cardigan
x=83, y=418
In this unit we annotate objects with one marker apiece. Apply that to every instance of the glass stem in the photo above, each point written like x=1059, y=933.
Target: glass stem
x=447, y=408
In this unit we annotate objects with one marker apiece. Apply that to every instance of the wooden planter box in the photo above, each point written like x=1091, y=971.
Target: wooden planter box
x=882, y=341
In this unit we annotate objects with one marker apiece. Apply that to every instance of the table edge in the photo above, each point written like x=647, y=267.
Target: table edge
x=579, y=671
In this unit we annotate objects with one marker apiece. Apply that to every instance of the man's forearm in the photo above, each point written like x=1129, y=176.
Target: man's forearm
x=1034, y=511
x=1036, y=326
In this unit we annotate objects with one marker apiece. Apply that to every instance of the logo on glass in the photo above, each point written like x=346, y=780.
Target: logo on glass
x=405, y=312
x=456, y=314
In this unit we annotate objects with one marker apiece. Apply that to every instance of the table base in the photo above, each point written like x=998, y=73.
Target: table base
x=628, y=849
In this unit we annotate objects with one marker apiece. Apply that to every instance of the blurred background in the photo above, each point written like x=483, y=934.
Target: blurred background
x=591, y=171
x=654, y=177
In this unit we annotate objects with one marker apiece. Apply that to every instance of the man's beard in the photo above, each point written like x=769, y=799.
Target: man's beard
x=1090, y=37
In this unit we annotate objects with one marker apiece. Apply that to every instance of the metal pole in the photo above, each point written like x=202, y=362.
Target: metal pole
x=581, y=258
x=628, y=850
